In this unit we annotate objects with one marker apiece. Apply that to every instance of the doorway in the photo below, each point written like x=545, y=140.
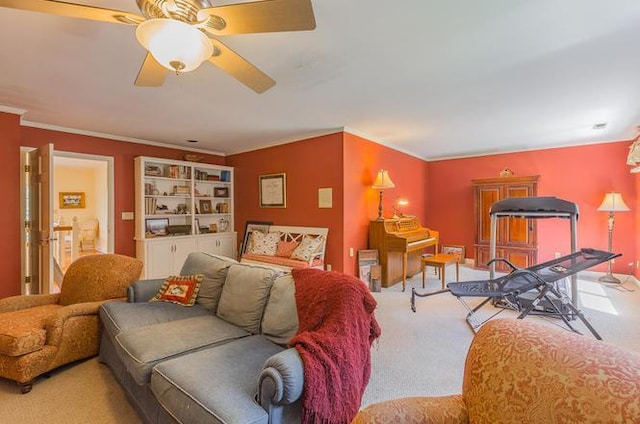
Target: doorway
x=77, y=219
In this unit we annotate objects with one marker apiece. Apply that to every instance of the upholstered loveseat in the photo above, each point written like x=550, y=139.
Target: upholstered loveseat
x=526, y=372
x=222, y=360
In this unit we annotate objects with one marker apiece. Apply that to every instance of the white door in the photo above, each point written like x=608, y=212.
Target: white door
x=45, y=224
x=158, y=261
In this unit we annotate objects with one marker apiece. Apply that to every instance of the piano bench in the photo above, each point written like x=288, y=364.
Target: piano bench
x=440, y=262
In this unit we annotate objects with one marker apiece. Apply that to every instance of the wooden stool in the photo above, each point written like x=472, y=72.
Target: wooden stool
x=440, y=262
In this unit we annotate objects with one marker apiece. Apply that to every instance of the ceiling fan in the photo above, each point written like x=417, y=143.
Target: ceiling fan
x=179, y=35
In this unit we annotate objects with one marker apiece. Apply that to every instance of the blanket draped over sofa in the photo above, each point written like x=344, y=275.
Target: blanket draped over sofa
x=336, y=329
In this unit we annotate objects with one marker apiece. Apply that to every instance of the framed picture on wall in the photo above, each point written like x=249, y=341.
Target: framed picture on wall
x=72, y=200
x=273, y=190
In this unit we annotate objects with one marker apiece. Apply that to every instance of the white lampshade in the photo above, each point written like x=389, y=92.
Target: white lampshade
x=176, y=45
x=613, y=202
x=383, y=181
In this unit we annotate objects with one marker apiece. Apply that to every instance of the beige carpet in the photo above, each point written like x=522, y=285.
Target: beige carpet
x=417, y=354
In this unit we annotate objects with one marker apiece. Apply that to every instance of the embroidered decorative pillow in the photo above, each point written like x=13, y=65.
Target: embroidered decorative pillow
x=286, y=248
x=264, y=243
x=181, y=289
x=307, y=248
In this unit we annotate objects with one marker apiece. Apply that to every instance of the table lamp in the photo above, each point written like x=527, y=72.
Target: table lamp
x=611, y=203
x=382, y=182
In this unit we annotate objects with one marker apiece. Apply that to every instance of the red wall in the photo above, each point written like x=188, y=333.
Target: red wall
x=10, y=212
x=309, y=165
x=362, y=161
x=579, y=174
x=13, y=136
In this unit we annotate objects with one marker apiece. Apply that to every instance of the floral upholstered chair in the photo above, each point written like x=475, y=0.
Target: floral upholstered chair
x=41, y=332
x=526, y=372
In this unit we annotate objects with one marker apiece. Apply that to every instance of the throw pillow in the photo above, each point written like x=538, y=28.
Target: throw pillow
x=264, y=243
x=182, y=289
x=286, y=248
x=308, y=247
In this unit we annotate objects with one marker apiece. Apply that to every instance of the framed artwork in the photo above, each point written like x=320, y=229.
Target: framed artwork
x=366, y=260
x=72, y=200
x=205, y=206
x=221, y=192
x=273, y=190
x=454, y=249
x=252, y=226
x=157, y=226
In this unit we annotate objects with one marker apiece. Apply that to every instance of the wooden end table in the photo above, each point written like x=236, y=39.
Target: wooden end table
x=440, y=262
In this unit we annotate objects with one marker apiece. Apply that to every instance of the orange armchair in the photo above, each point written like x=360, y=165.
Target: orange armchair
x=41, y=332
x=526, y=372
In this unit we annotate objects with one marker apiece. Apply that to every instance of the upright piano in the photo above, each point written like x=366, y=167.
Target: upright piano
x=400, y=242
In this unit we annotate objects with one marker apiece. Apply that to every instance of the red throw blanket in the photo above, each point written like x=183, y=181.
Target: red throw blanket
x=336, y=329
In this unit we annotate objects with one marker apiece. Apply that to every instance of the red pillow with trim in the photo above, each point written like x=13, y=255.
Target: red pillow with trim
x=286, y=248
x=181, y=289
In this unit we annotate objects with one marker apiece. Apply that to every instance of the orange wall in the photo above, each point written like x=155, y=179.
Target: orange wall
x=12, y=136
x=579, y=174
x=362, y=161
x=309, y=165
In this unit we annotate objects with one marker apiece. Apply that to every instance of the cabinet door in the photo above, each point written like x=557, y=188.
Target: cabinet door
x=485, y=197
x=518, y=232
x=181, y=249
x=227, y=245
x=223, y=244
x=159, y=255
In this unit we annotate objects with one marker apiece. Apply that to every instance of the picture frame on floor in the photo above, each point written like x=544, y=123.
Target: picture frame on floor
x=367, y=259
x=454, y=249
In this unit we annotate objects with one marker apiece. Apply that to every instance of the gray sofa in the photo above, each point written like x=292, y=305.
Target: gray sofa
x=223, y=360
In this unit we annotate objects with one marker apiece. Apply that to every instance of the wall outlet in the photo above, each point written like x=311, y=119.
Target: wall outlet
x=328, y=267
x=351, y=252
x=557, y=254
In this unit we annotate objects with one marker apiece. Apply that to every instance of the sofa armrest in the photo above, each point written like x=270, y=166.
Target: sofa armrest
x=281, y=382
x=55, y=322
x=144, y=290
x=431, y=410
x=16, y=303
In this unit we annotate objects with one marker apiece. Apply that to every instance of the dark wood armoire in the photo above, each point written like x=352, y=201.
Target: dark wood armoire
x=516, y=238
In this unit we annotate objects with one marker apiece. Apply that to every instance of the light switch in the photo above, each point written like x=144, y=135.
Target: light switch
x=127, y=216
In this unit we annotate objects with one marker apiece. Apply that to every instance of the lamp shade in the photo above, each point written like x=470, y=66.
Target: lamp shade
x=613, y=202
x=383, y=181
x=176, y=45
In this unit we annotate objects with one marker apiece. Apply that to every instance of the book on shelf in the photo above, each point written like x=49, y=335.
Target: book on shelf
x=225, y=176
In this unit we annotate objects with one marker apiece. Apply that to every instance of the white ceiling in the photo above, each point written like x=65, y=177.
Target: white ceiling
x=432, y=78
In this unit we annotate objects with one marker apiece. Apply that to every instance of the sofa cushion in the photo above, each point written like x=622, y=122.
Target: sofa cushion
x=214, y=272
x=179, y=289
x=308, y=247
x=122, y=316
x=215, y=385
x=143, y=347
x=275, y=260
x=245, y=294
x=280, y=320
x=23, y=331
x=264, y=243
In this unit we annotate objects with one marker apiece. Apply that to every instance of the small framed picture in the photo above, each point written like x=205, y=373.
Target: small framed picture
x=221, y=192
x=157, y=226
x=72, y=200
x=454, y=249
x=205, y=206
x=366, y=260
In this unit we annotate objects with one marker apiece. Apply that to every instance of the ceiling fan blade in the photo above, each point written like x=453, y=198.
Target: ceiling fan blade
x=73, y=10
x=151, y=74
x=260, y=16
x=239, y=68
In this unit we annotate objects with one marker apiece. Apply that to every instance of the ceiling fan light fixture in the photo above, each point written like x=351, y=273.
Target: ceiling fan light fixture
x=176, y=45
